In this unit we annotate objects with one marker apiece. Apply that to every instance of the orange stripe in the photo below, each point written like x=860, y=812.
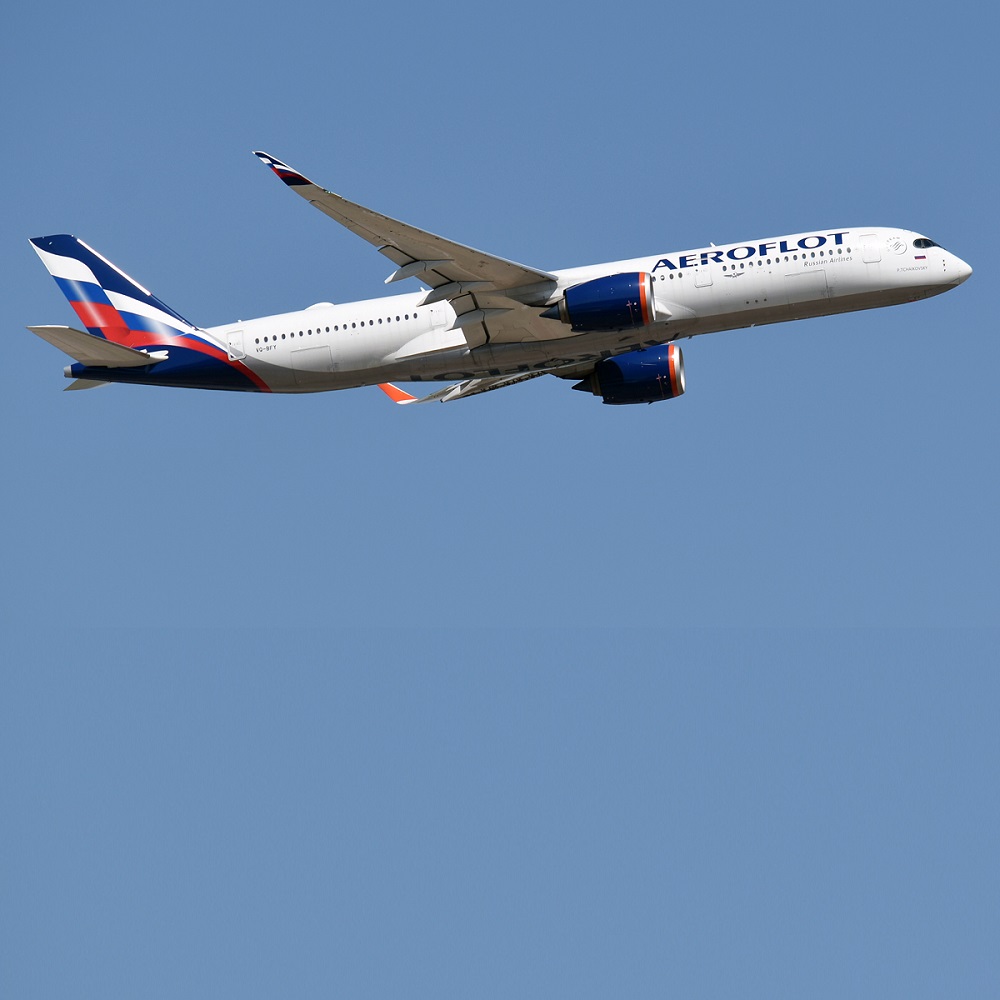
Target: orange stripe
x=671, y=356
x=642, y=299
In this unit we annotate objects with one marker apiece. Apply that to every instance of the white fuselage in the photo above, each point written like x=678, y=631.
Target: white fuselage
x=398, y=338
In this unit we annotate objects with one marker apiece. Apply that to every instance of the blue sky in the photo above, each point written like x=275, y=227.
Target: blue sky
x=524, y=693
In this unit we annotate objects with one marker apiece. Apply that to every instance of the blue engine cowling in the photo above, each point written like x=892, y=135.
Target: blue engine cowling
x=638, y=377
x=614, y=302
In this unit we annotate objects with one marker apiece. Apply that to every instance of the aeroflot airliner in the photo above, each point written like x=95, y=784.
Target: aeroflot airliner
x=484, y=322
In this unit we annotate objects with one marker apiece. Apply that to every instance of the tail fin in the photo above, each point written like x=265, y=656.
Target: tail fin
x=109, y=303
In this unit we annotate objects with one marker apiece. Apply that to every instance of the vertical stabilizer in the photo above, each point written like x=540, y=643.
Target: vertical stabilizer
x=108, y=302
x=131, y=335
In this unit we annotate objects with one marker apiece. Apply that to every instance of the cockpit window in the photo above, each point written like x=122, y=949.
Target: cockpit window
x=923, y=244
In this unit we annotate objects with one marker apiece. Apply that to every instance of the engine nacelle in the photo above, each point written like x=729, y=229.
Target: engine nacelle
x=614, y=302
x=645, y=376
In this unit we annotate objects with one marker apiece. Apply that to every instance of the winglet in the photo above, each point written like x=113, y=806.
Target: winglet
x=291, y=177
x=396, y=394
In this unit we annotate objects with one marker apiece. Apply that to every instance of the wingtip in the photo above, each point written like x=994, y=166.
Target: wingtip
x=396, y=394
x=283, y=170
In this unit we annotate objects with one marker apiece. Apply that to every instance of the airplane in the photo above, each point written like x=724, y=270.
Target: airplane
x=485, y=323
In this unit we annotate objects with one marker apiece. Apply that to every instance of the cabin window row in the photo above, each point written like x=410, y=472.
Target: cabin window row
x=336, y=329
x=768, y=261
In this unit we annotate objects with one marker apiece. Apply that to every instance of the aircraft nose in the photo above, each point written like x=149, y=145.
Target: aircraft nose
x=958, y=270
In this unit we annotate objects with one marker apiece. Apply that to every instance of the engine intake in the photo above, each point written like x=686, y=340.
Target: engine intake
x=645, y=376
x=614, y=302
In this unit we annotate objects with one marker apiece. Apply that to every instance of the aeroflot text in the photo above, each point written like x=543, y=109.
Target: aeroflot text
x=706, y=257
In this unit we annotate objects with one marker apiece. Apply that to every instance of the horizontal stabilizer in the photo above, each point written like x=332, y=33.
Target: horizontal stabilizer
x=84, y=383
x=94, y=352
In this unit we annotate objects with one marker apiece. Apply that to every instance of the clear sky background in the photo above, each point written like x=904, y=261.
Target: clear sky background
x=523, y=695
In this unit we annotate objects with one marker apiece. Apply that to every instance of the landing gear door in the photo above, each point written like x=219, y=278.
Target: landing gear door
x=236, y=352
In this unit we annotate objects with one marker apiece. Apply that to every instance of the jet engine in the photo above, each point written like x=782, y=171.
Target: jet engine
x=614, y=302
x=645, y=376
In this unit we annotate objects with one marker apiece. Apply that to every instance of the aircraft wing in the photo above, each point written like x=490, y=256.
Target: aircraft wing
x=473, y=282
x=474, y=386
x=471, y=387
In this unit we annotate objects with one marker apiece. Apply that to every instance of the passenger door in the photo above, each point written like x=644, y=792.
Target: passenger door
x=236, y=351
